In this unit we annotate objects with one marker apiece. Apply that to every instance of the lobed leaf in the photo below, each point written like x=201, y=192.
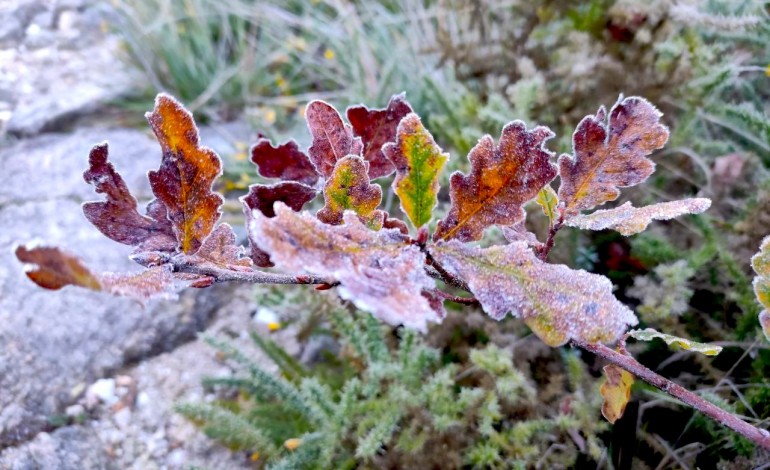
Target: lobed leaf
x=221, y=250
x=610, y=155
x=502, y=179
x=616, y=392
x=262, y=198
x=332, y=138
x=761, y=264
x=418, y=162
x=380, y=272
x=648, y=334
x=285, y=161
x=53, y=268
x=187, y=172
x=117, y=217
x=556, y=302
x=377, y=127
x=629, y=220
x=348, y=188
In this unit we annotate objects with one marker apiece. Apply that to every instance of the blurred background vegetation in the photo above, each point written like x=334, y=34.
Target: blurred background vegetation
x=476, y=393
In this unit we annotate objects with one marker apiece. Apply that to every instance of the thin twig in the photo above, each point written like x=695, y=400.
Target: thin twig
x=184, y=264
x=455, y=298
x=759, y=436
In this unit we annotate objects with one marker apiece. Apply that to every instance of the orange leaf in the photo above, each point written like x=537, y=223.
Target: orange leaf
x=610, y=155
x=183, y=181
x=502, y=179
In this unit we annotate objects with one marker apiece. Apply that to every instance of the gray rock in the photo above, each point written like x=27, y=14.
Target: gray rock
x=55, y=342
x=71, y=448
x=11, y=29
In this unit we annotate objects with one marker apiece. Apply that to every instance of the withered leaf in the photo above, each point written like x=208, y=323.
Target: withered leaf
x=285, y=161
x=187, y=171
x=53, y=268
x=761, y=264
x=616, y=391
x=392, y=222
x=610, y=155
x=376, y=127
x=380, y=272
x=262, y=198
x=418, y=161
x=332, y=138
x=221, y=250
x=117, y=217
x=629, y=220
x=502, y=179
x=348, y=188
x=556, y=302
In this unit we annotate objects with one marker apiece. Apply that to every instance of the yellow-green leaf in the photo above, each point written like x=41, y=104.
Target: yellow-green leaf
x=649, y=334
x=418, y=161
x=547, y=199
x=616, y=391
x=348, y=188
x=761, y=264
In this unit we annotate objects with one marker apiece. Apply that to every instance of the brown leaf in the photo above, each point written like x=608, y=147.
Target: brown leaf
x=376, y=127
x=220, y=250
x=286, y=161
x=117, y=217
x=53, y=268
x=332, y=138
x=558, y=303
x=610, y=155
x=616, y=391
x=502, y=179
x=261, y=198
x=629, y=220
x=379, y=272
x=398, y=224
x=348, y=188
x=183, y=181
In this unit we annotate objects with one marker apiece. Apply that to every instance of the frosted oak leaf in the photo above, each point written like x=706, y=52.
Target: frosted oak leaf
x=629, y=220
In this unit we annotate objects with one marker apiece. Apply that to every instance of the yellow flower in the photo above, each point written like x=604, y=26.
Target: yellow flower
x=292, y=444
x=274, y=326
x=329, y=54
x=254, y=457
x=767, y=70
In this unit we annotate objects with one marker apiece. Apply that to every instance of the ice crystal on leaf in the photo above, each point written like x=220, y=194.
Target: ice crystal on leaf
x=648, y=334
x=53, y=268
x=117, y=217
x=629, y=220
x=332, y=138
x=418, y=161
x=610, y=153
x=286, y=162
x=187, y=171
x=377, y=127
x=348, y=188
x=557, y=302
x=380, y=272
x=761, y=264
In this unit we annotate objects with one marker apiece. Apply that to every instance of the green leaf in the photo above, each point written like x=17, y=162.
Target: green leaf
x=547, y=199
x=649, y=334
x=418, y=161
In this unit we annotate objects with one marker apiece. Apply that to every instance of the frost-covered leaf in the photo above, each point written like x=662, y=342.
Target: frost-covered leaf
x=221, y=250
x=378, y=271
x=285, y=161
x=519, y=233
x=332, y=138
x=616, y=391
x=348, y=188
x=418, y=161
x=629, y=220
x=761, y=264
x=117, y=217
x=610, y=154
x=398, y=224
x=502, y=179
x=548, y=201
x=376, y=127
x=648, y=334
x=53, y=268
x=558, y=303
x=262, y=198
x=183, y=181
